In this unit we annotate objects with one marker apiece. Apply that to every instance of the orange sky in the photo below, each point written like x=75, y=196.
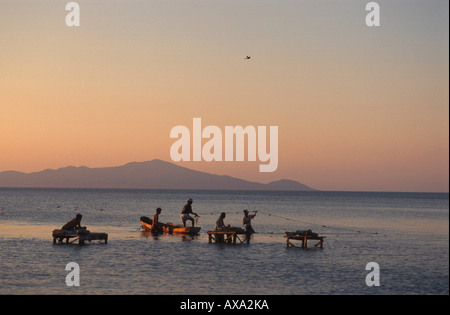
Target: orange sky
x=357, y=108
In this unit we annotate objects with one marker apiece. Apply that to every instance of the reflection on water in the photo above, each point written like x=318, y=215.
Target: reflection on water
x=14, y=229
x=175, y=237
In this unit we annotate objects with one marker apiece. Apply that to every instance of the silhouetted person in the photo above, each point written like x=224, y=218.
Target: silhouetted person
x=156, y=225
x=73, y=226
x=247, y=222
x=185, y=213
x=220, y=224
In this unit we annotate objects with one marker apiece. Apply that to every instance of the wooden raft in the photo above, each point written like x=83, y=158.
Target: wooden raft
x=304, y=239
x=229, y=237
x=59, y=236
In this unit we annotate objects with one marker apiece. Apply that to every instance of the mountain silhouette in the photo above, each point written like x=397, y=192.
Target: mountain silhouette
x=155, y=174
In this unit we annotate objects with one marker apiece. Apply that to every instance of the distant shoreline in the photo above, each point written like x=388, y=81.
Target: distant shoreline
x=151, y=175
x=232, y=190
x=155, y=174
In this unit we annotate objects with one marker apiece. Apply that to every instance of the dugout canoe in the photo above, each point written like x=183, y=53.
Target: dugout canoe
x=169, y=228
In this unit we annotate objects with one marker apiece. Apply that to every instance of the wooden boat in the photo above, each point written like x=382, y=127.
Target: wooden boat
x=169, y=228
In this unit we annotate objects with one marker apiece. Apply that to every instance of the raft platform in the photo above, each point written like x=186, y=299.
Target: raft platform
x=59, y=236
x=228, y=237
x=304, y=239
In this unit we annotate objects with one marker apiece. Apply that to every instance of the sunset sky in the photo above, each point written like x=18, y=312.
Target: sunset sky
x=357, y=107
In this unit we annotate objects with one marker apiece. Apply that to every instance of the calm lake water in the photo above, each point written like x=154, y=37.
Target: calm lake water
x=407, y=234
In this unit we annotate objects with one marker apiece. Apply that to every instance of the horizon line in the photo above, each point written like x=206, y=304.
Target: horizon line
x=254, y=190
x=172, y=163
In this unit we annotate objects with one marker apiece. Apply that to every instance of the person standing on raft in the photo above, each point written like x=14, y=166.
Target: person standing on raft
x=185, y=213
x=247, y=222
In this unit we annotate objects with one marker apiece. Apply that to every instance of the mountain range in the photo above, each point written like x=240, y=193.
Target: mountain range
x=155, y=174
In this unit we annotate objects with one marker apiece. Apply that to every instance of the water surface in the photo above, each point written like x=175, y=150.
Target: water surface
x=405, y=233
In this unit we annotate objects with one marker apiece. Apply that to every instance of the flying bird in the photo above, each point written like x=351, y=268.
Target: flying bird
x=247, y=57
